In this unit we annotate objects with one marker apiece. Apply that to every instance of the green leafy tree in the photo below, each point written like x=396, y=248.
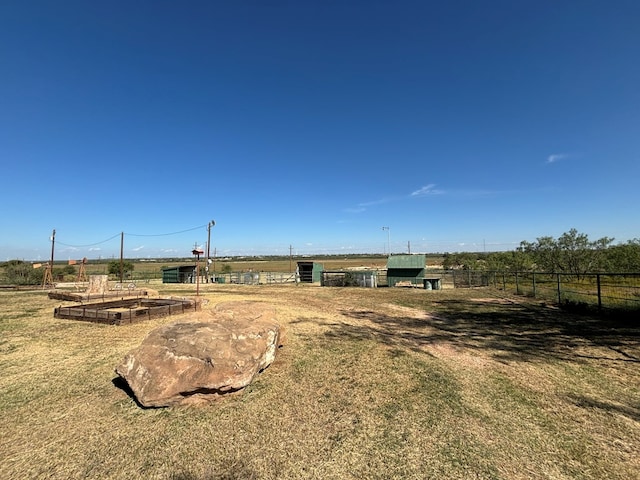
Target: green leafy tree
x=572, y=252
x=580, y=255
x=18, y=272
x=514, y=261
x=544, y=252
x=624, y=258
x=463, y=260
x=67, y=272
x=114, y=267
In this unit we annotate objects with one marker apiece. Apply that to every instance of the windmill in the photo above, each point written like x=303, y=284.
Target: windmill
x=47, y=279
x=82, y=271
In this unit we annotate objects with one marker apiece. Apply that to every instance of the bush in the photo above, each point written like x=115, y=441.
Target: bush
x=17, y=272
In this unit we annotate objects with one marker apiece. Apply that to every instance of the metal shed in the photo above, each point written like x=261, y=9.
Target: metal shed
x=181, y=274
x=406, y=268
x=310, y=272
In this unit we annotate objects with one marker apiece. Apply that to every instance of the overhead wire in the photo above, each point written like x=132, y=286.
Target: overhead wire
x=164, y=234
x=131, y=235
x=88, y=245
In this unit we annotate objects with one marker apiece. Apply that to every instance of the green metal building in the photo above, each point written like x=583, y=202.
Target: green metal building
x=182, y=274
x=406, y=268
x=310, y=272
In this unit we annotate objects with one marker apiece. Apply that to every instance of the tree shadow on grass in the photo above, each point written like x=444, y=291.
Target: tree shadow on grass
x=630, y=411
x=235, y=470
x=505, y=330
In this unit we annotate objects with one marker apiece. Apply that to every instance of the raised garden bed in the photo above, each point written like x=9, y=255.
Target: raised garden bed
x=125, y=311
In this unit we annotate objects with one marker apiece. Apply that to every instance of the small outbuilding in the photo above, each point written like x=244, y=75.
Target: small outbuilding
x=310, y=272
x=181, y=274
x=406, y=268
x=411, y=270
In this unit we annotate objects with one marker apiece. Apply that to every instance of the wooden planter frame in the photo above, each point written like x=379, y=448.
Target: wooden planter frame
x=125, y=311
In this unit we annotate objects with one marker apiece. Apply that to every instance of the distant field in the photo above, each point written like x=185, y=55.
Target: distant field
x=372, y=383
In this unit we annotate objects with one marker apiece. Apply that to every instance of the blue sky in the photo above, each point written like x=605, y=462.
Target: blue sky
x=459, y=125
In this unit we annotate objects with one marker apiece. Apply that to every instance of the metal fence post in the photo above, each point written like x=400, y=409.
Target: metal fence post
x=599, y=291
x=517, y=285
x=559, y=290
x=533, y=282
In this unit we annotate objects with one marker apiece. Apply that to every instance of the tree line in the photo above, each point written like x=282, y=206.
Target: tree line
x=572, y=253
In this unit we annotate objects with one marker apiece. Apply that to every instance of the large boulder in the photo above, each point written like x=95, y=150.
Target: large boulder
x=204, y=356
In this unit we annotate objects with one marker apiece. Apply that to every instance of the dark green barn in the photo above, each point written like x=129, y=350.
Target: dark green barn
x=182, y=274
x=406, y=268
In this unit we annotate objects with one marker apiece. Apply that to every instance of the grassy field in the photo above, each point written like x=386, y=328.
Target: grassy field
x=371, y=384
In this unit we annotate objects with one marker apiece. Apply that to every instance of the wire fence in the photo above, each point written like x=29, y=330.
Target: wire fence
x=619, y=291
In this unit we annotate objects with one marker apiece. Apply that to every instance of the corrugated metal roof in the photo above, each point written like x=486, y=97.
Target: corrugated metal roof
x=407, y=261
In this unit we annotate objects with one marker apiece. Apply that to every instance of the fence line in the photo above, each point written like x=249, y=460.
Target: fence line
x=601, y=290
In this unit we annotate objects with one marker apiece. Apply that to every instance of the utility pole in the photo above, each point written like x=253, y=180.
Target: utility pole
x=209, y=225
x=388, y=239
x=409, y=246
x=121, y=257
x=290, y=259
x=197, y=252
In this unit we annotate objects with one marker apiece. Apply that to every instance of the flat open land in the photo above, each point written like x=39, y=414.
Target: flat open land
x=371, y=384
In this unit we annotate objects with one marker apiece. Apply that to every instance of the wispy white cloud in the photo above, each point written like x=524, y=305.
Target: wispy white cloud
x=362, y=206
x=431, y=190
x=375, y=202
x=354, y=209
x=421, y=192
x=556, y=157
x=427, y=190
x=137, y=249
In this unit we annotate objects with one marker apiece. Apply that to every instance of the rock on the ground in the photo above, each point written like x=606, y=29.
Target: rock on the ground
x=204, y=356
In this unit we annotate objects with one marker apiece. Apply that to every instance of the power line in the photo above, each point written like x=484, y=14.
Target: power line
x=90, y=244
x=131, y=235
x=164, y=234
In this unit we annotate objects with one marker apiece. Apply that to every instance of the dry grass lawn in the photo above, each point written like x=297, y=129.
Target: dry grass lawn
x=371, y=384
